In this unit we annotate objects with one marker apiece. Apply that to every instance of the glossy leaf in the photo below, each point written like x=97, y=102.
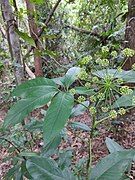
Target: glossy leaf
x=59, y=81
x=79, y=125
x=128, y=76
x=123, y=101
x=71, y=76
x=35, y=87
x=41, y=168
x=79, y=109
x=113, y=166
x=84, y=91
x=50, y=147
x=23, y=107
x=112, y=145
x=65, y=159
x=28, y=154
x=57, y=115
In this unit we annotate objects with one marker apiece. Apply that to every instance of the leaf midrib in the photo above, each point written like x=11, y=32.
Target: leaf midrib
x=47, y=172
x=57, y=113
x=28, y=104
x=113, y=166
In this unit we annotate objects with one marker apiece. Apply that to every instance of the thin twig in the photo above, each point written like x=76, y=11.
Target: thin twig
x=46, y=22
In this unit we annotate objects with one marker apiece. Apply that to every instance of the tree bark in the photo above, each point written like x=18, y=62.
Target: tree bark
x=46, y=22
x=34, y=34
x=13, y=40
x=130, y=33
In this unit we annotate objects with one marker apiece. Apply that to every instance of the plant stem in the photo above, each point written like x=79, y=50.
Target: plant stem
x=89, y=162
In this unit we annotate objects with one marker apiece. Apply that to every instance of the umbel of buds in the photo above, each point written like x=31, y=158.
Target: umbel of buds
x=81, y=99
x=122, y=111
x=125, y=90
x=113, y=114
x=72, y=91
x=92, y=110
x=127, y=52
x=83, y=75
x=85, y=60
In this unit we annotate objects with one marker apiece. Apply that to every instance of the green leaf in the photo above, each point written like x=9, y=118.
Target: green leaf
x=84, y=91
x=25, y=171
x=26, y=38
x=41, y=168
x=12, y=172
x=28, y=154
x=34, y=125
x=23, y=107
x=37, y=1
x=79, y=125
x=102, y=73
x=57, y=115
x=71, y=76
x=113, y=166
x=65, y=159
x=50, y=147
x=128, y=76
x=124, y=101
x=112, y=145
x=68, y=174
x=52, y=54
x=35, y=87
x=59, y=81
x=79, y=109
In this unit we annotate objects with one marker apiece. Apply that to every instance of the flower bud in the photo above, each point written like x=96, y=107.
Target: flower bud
x=81, y=99
x=113, y=114
x=122, y=111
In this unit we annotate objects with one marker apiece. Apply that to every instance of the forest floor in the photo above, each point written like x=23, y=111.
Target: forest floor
x=123, y=134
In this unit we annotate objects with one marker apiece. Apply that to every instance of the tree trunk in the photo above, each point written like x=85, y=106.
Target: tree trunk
x=130, y=33
x=34, y=34
x=13, y=40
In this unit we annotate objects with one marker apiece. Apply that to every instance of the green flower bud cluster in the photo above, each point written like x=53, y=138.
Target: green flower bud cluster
x=92, y=110
x=104, y=109
x=81, y=99
x=101, y=96
x=114, y=54
x=120, y=81
x=125, y=90
x=95, y=79
x=122, y=111
x=87, y=85
x=133, y=101
x=83, y=75
x=85, y=60
x=105, y=49
x=103, y=62
x=93, y=98
x=72, y=91
x=127, y=52
x=98, y=60
x=133, y=66
x=113, y=114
